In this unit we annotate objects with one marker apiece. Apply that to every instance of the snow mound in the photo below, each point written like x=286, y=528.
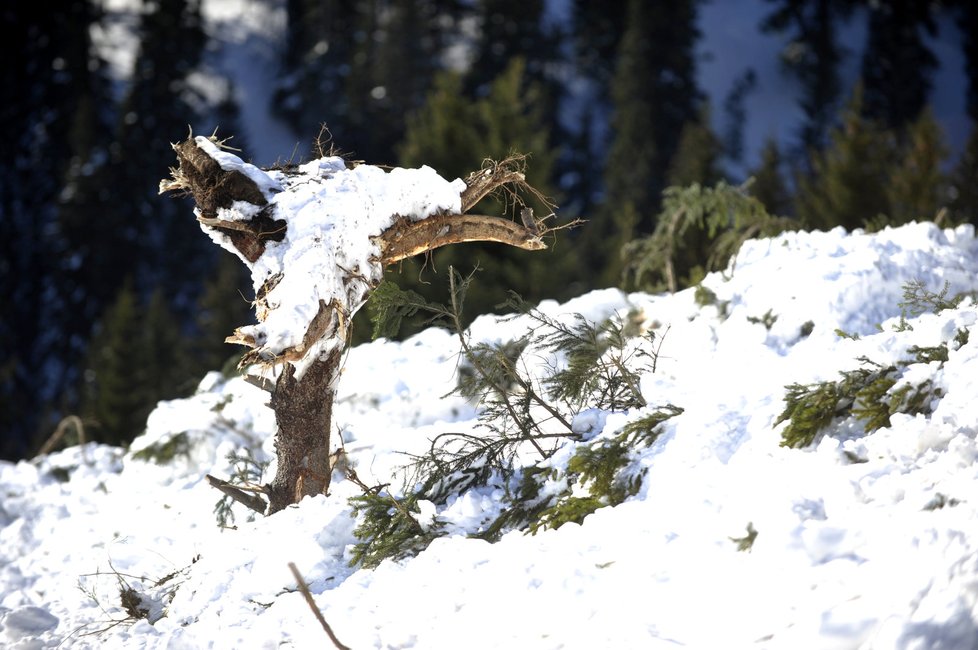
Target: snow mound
x=865, y=539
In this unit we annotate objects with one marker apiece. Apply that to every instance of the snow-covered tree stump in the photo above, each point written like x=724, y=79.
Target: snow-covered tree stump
x=316, y=238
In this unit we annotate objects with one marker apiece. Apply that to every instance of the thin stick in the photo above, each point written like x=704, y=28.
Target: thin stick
x=304, y=588
x=59, y=433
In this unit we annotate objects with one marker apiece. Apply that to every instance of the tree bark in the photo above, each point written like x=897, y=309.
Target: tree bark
x=303, y=412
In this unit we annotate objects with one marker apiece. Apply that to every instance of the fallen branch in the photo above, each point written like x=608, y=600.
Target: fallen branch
x=253, y=501
x=407, y=239
x=304, y=588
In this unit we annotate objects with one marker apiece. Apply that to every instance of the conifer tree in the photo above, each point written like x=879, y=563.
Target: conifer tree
x=813, y=56
x=116, y=396
x=316, y=62
x=848, y=184
x=696, y=163
x=171, y=369
x=963, y=188
x=736, y=114
x=597, y=28
x=53, y=79
x=897, y=64
x=968, y=26
x=509, y=29
x=392, y=70
x=697, y=157
x=160, y=99
x=654, y=93
x=917, y=189
x=596, y=33
x=769, y=186
x=219, y=313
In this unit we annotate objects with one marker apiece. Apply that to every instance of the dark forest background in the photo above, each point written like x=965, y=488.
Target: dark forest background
x=113, y=299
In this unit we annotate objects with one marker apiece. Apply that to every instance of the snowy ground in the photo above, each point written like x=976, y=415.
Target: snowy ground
x=875, y=554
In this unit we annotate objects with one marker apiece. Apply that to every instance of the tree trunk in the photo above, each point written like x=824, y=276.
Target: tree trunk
x=303, y=412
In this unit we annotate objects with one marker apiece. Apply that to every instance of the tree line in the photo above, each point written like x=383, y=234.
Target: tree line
x=114, y=302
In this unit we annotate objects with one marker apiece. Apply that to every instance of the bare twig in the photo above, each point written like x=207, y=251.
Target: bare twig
x=304, y=588
x=59, y=433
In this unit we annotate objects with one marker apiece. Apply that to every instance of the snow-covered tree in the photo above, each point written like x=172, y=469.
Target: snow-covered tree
x=316, y=238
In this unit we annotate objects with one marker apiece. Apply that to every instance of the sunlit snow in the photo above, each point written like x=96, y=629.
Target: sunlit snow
x=881, y=553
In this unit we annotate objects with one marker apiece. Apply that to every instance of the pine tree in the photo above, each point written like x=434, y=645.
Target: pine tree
x=696, y=163
x=769, y=186
x=597, y=28
x=697, y=157
x=918, y=187
x=220, y=309
x=654, y=93
x=391, y=72
x=52, y=78
x=968, y=26
x=736, y=114
x=897, y=64
x=116, y=395
x=509, y=29
x=848, y=184
x=171, y=368
x=813, y=55
x=963, y=188
x=316, y=63
x=159, y=100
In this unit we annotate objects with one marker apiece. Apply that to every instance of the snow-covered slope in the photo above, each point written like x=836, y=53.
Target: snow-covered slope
x=863, y=540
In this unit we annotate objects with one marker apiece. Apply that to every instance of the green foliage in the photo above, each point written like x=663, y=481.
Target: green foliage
x=388, y=528
x=767, y=320
x=918, y=300
x=601, y=468
x=601, y=367
x=962, y=187
x=165, y=451
x=872, y=394
x=602, y=362
x=722, y=218
x=697, y=157
x=769, y=186
x=746, y=543
x=917, y=189
x=866, y=394
x=388, y=305
x=135, y=359
x=849, y=178
x=117, y=395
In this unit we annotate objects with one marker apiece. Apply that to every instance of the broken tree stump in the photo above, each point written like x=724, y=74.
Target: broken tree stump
x=316, y=238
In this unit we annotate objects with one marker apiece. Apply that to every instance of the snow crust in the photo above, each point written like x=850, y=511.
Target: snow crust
x=876, y=554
